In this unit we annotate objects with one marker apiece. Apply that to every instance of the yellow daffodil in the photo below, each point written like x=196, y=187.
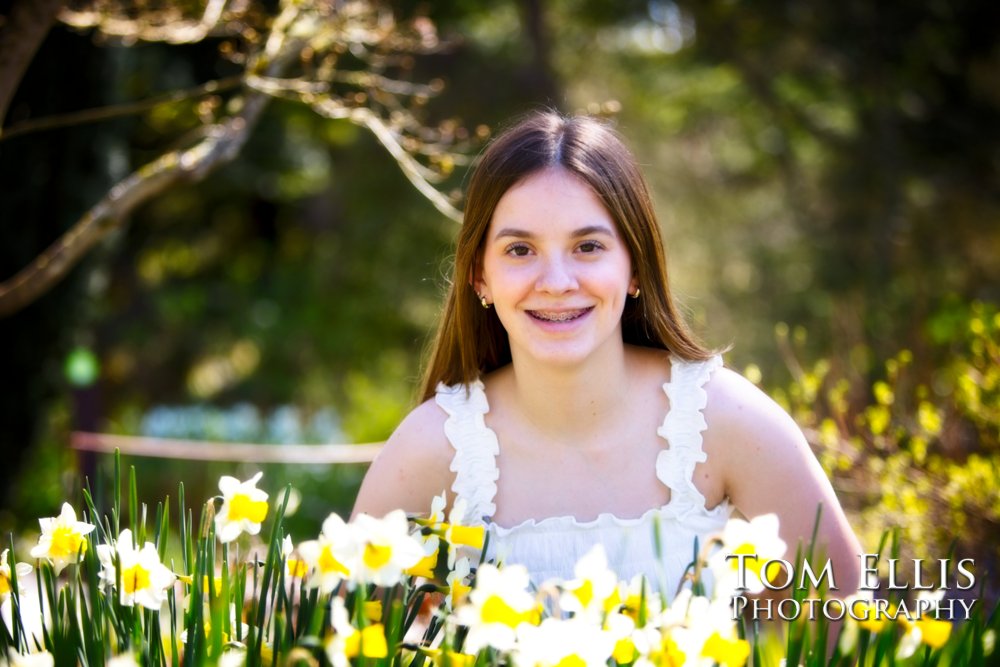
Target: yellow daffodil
x=295, y=567
x=329, y=557
x=562, y=643
x=925, y=629
x=244, y=507
x=593, y=587
x=496, y=607
x=348, y=642
x=39, y=659
x=425, y=566
x=385, y=549
x=459, y=535
x=730, y=650
x=143, y=580
x=62, y=539
x=457, y=580
x=21, y=569
x=753, y=543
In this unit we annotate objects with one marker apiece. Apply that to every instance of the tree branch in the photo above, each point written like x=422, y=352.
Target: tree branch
x=116, y=111
x=169, y=28
x=20, y=36
x=222, y=144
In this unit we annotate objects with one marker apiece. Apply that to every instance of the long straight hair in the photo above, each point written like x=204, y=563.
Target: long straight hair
x=470, y=340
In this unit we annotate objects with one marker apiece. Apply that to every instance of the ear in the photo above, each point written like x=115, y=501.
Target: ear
x=477, y=282
x=633, y=285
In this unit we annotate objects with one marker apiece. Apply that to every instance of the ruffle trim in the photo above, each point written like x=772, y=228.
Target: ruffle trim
x=604, y=520
x=476, y=447
x=682, y=429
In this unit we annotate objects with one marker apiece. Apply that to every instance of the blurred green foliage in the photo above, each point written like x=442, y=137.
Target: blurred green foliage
x=920, y=455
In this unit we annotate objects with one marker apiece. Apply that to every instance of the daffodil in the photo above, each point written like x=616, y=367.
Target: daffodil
x=496, y=607
x=459, y=535
x=427, y=534
x=329, y=558
x=123, y=660
x=142, y=578
x=704, y=630
x=457, y=580
x=751, y=543
x=21, y=569
x=925, y=629
x=62, y=539
x=385, y=549
x=244, y=507
x=348, y=642
x=39, y=659
x=593, y=590
x=560, y=643
x=296, y=567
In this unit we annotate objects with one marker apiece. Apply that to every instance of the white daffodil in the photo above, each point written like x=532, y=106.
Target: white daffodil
x=31, y=617
x=330, y=557
x=40, y=659
x=244, y=507
x=348, y=642
x=427, y=532
x=295, y=567
x=558, y=642
x=496, y=607
x=21, y=569
x=385, y=549
x=754, y=543
x=458, y=586
x=144, y=579
x=925, y=629
x=123, y=660
x=593, y=589
x=62, y=539
x=460, y=536
x=701, y=631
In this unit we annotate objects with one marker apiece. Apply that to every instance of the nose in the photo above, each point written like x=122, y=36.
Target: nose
x=556, y=276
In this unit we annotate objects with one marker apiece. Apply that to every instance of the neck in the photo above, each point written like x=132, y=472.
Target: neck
x=566, y=403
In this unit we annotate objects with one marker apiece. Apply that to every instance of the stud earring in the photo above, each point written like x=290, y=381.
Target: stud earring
x=482, y=300
x=635, y=294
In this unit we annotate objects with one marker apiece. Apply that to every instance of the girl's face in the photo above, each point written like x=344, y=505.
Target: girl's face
x=556, y=269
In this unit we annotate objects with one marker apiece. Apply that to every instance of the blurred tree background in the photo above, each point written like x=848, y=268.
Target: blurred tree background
x=827, y=176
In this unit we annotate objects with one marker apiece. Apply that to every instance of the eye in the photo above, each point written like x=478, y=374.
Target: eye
x=590, y=247
x=517, y=250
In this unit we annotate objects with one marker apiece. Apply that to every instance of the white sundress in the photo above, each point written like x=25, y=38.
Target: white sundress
x=549, y=548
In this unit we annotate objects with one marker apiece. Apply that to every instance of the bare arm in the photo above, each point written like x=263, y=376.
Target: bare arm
x=769, y=467
x=411, y=469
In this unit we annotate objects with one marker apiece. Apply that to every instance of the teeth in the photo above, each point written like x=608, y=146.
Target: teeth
x=564, y=316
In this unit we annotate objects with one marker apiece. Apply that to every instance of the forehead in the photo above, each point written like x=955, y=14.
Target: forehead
x=550, y=200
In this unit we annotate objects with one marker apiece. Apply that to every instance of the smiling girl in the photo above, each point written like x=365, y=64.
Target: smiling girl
x=566, y=400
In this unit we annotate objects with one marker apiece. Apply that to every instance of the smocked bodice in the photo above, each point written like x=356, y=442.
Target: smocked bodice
x=550, y=547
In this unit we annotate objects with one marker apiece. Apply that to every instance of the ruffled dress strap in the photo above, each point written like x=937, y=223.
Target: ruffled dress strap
x=476, y=447
x=682, y=428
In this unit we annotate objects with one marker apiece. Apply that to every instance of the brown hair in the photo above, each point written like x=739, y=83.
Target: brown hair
x=471, y=341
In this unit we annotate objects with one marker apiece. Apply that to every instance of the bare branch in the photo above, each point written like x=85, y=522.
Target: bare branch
x=411, y=168
x=168, y=26
x=118, y=110
x=223, y=142
x=20, y=36
x=309, y=36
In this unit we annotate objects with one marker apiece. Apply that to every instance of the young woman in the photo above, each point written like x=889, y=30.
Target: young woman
x=566, y=400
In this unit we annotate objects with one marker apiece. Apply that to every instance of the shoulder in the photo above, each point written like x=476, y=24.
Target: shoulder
x=742, y=419
x=412, y=467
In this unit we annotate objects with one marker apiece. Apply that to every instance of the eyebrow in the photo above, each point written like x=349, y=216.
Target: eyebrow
x=582, y=231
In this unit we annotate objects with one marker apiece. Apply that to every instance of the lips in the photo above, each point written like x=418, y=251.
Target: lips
x=559, y=315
